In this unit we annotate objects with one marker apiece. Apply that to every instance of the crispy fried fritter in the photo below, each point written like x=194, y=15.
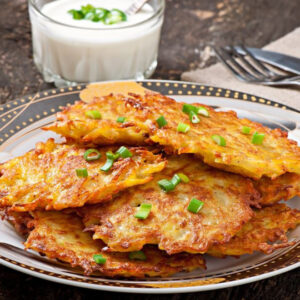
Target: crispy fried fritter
x=46, y=177
x=274, y=157
x=226, y=200
x=61, y=236
x=284, y=187
x=269, y=224
x=19, y=220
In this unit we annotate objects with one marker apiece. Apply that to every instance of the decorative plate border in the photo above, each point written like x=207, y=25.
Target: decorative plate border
x=16, y=115
x=10, y=121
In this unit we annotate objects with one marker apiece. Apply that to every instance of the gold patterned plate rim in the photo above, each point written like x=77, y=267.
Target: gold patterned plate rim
x=20, y=114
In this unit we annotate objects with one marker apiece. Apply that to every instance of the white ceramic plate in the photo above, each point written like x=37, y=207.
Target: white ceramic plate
x=20, y=123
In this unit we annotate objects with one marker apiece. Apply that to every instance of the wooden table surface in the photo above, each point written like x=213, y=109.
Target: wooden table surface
x=190, y=26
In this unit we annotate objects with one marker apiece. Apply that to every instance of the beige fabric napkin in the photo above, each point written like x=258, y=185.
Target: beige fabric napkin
x=218, y=75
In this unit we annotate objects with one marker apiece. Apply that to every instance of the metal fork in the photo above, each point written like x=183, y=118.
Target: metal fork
x=248, y=69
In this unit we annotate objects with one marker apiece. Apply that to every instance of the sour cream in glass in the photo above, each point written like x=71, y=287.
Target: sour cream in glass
x=69, y=51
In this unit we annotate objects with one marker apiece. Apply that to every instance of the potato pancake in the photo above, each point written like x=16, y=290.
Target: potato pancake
x=61, y=236
x=217, y=138
x=170, y=224
x=284, y=187
x=269, y=224
x=46, y=177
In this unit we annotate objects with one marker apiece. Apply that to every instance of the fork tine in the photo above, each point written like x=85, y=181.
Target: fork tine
x=228, y=66
x=237, y=66
x=258, y=63
x=255, y=72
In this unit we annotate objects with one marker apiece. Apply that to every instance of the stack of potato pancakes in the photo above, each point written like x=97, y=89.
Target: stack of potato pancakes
x=145, y=185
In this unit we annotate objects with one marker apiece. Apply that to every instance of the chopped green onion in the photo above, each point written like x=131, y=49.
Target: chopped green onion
x=85, y=9
x=161, y=121
x=115, y=16
x=144, y=211
x=76, y=14
x=99, y=259
x=121, y=119
x=124, y=152
x=87, y=153
x=246, y=130
x=183, y=127
x=193, y=117
x=203, y=111
x=108, y=164
x=187, y=108
x=112, y=156
x=175, y=180
x=100, y=14
x=82, y=172
x=183, y=177
x=257, y=138
x=137, y=255
x=97, y=14
x=93, y=114
x=195, y=205
x=166, y=185
x=219, y=140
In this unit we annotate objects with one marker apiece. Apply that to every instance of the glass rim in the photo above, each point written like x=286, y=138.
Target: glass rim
x=158, y=13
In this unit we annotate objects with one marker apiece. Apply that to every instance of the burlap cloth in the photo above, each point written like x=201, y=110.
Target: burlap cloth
x=218, y=75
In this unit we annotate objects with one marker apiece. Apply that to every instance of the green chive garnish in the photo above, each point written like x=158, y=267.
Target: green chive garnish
x=166, y=185
x=183, y=177
x=124, y=152
x=121, y=119
x=195, y=205
x=76, y=14
x=219, y=140
x=161, y=121
x=97, y=14
x=108, y=164
x=137, y=255
x=88, y=157
x=187, y=108
x=175, y=180
x=203, y=111
x=99, y=259
x=112, y=156
x=109, y=161
x=115, y=16
x=257, y=138
x=93, y=114
x=246, y=130
x=82, y=172
x=144, y=211
x=183, y=127
x=193, y=117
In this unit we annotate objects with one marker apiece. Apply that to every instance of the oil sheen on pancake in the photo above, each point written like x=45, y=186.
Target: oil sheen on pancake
x=226, y=208
x=268, y=225
x=46, y=178
x=275, y=156
x=284, y=187
x=60, y=236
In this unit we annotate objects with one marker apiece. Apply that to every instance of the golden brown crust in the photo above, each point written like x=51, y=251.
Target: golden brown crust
x=268, y=225
x=45, y=178
x=274, y=157
x=226, y=200
x=61, y=236
x=19, y=220
x=284, y=187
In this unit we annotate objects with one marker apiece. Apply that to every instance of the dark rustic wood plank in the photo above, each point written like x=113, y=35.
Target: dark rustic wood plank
x=190, y=25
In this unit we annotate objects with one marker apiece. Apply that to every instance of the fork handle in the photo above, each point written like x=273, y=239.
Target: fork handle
x=282, y=83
